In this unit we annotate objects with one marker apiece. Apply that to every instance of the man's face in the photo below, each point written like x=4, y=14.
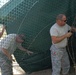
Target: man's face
x=63, y=21
x=19, y=40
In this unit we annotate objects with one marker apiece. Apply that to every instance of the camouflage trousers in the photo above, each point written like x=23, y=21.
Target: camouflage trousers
x=5, y=65
x=60, y=60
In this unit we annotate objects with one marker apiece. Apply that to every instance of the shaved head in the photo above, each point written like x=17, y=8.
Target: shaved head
x=60, y=16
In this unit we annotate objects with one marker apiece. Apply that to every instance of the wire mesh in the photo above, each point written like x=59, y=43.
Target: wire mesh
x=34, y=18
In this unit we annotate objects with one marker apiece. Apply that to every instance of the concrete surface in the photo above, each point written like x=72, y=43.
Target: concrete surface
x=17, y=70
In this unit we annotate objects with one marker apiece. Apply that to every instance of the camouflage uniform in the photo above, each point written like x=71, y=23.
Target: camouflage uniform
x=5, y=64
x=59, y=55
x=10, y=45
x=60, y=60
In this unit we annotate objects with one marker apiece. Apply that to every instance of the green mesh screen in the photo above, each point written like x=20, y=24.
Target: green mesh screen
x=34, y=19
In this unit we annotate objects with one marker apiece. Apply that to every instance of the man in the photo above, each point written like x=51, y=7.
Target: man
x=59, y=34
x=7, y=47
x=2, y=30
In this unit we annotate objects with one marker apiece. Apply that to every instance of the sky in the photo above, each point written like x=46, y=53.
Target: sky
x=2, y=2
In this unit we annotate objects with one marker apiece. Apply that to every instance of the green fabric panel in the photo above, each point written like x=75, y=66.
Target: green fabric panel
x=34, y=19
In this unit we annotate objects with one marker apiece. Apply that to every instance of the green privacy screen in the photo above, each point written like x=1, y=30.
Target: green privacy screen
x=34, y=19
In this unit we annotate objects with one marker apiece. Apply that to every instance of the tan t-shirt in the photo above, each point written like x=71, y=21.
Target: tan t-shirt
x=56, y=30
x=9, y=43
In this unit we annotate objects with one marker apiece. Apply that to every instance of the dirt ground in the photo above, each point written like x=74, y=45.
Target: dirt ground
x=17, y=70
x=48, y=72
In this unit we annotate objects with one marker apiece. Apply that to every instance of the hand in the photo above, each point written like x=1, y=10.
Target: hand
x=73, y=29
x=10, y=58
x=68, y=34
x=4, y=26
x=29, y=52
x=13, y=60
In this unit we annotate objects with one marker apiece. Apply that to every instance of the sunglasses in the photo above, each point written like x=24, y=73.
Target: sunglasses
x=64, y=20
